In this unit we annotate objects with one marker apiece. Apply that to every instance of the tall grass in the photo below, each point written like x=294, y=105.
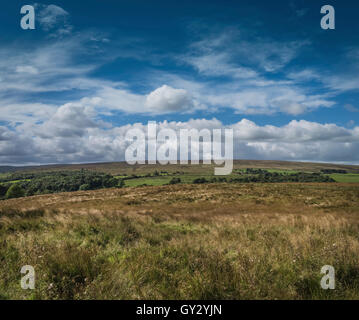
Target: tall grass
x=183, y=242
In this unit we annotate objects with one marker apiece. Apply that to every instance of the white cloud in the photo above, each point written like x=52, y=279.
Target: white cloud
x=292, y=108
x=218, y=64
x=270, y=99
x=55, y=67
x=27, y=69
x=351, y=108
x=41, y=130
x=304, y=75
x=246, y=65
x=270, y=55
x=341, y=77
x=53, y=19
x=70, y=120
x=295, y=131
x=74, y=135
x=23, y=112
x=351, y=123
x=167, y=99
x=229, y=53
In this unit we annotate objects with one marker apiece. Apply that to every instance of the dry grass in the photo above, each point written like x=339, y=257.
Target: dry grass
x=218, y=241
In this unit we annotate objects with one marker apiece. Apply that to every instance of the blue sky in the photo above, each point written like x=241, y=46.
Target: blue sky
x=90, y=70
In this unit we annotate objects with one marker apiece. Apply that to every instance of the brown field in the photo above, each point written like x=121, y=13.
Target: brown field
x=216, y=241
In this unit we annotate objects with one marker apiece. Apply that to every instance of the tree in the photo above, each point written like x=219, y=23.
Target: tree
x=3, y=190
x=121, y=184
x=15, y=191
x=110, y=182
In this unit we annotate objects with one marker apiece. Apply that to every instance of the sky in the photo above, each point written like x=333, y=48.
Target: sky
x=91, y=70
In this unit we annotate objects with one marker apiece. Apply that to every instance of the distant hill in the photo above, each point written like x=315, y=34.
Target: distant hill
x=4, y=169
x=117, y=168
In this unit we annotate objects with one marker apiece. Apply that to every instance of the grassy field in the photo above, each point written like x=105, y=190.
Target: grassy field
x=212, y=241
x=349, y=177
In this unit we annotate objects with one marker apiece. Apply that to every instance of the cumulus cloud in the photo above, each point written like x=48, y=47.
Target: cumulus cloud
x=168, y=99
x=75, y=135
x=70, y=120
x=162, y=100
x=295, y=131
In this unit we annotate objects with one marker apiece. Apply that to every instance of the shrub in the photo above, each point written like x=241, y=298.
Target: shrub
x=15, y=191
x=200, y=181
x=175, y=181
x=330, y=171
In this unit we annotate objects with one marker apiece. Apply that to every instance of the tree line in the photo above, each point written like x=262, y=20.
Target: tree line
x=263, y=176
x=28, y=184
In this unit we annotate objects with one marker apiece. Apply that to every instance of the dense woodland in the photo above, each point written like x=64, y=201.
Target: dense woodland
x=28, y=184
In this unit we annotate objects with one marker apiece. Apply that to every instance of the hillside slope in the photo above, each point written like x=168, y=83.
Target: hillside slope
x=217, y=241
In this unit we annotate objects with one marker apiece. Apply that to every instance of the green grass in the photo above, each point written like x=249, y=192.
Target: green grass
x=16, y=181
x=284, y=171
x=349, y=177
x=150, y=181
